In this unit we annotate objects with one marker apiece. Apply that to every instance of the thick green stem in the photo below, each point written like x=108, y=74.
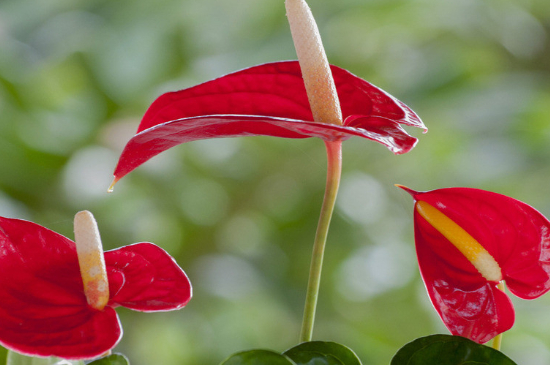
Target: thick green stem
x=334, y=169
x=497, y=341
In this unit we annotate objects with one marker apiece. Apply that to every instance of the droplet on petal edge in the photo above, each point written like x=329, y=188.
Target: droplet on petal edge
x=112, y=186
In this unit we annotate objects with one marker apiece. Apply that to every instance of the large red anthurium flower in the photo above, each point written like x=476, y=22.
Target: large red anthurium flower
x=470, y=240
x=267, y=100
x=43, y=308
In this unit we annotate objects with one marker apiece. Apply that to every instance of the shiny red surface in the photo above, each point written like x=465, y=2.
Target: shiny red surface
x=514, y=233
x=267, y=100
x=43, y=310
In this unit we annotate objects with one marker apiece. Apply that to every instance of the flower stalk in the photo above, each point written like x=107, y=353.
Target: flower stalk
x=325, y=107
x=334, y=169
x=497, y=341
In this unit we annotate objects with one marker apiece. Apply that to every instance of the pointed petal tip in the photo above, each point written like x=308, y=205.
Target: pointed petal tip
x=408, y=190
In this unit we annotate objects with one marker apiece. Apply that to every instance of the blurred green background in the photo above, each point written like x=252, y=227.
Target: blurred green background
x=239, y=215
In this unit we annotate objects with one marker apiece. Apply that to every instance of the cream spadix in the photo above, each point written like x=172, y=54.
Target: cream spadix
x=320, y=87
x=91, y=260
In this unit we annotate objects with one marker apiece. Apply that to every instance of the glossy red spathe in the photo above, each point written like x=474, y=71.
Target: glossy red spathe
x=267, y=100
x=43, y=309
x=516, y=235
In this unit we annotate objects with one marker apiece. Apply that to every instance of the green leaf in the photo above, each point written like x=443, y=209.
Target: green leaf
x=315, y=358
x=448, y=350
x=3, y=355
x=15, y=358
x=322, y=353
x=258, y=357
x=114, y=359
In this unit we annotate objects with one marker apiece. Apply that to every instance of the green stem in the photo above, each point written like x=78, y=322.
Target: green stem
x=334, y=169
x=497, y=340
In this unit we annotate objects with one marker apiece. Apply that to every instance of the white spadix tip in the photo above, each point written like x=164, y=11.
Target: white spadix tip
x=86, y=232
x=321, y=91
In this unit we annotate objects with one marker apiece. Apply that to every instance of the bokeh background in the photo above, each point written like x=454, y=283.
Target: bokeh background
x=239, y=215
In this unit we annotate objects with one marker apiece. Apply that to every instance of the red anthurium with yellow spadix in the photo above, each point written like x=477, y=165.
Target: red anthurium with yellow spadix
x=469, y=241
x=57, y=297
x=267, y=100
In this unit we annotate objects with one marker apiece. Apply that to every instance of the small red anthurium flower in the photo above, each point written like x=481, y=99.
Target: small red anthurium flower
x=267, y=100
x=57, y=299
x=468, y=241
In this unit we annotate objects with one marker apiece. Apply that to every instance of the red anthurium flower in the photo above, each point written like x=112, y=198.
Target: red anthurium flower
x=467, y=242
x=43, y=308
x=267, y=100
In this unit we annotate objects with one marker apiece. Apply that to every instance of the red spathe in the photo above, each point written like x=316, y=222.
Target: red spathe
x=43, y=309
x=267, y=100
x=513, y=233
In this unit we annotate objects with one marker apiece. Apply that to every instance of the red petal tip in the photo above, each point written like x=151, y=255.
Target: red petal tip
x=408, y=190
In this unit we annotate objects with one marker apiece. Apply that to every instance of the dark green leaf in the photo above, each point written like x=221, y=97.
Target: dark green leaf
x=315, y=358
x=3, y=355
x=114, y=359
x=448, y=350
x=321, y=353
x=258, y=357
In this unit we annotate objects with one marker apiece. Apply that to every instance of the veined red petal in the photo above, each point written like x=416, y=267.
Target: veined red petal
x=274, y=90
x=43, y=309
x=144, y=277
x=83, y=335
x=468, y=304
x=267, y=100
x=157, y=139
x=513, y=233
x=478, y=314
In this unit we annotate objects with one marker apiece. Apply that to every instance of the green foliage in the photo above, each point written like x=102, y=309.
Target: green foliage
x=322, y=353
x=307, y=353
x=114, y=359
x=448, y=350
x=258, y=357
x=3, y=355
x=15, y=358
